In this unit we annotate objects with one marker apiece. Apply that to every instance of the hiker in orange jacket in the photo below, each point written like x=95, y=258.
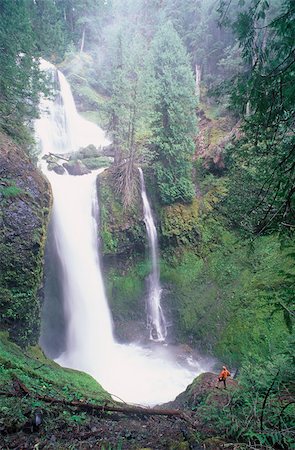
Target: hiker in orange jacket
x=223, y=376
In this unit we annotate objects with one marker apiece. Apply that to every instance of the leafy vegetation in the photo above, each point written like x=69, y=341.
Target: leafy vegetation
x=129, y=111
x=261, y=411
x=20, y=80
x=261, y=163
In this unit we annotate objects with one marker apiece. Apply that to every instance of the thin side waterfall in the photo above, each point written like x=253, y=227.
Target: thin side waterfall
x=155, y=317
x=150, y=375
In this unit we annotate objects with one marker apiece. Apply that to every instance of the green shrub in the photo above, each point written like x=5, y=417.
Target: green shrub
x=8, y=189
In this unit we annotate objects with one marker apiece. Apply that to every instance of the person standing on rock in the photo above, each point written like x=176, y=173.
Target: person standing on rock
x=223, y=376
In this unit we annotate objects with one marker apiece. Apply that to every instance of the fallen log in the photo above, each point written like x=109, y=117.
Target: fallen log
x=59, y=157
x=137, y=410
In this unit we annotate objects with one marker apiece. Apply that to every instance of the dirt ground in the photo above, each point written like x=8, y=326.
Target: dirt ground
x=116, y=430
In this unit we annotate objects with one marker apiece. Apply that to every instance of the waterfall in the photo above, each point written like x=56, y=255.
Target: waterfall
x=74, y=219
x=150, y=375
x=156, y=320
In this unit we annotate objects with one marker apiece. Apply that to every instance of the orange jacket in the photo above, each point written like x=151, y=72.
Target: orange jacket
x=224, y=374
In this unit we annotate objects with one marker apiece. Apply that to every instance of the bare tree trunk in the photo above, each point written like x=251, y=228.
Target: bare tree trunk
x=82, y=41
x=254, y=61
x=198, y=80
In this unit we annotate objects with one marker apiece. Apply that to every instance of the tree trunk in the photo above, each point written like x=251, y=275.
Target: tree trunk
x=82, y=41
x=198, y=80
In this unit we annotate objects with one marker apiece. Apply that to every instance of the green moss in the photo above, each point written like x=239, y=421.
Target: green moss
x=215, y=135
x=11, y=191
x=110, y=242
x=212, y=112
x=224, y=297
x=125, y=288
x=187, y=226
x=92, y=97
x=49, y=375
x=193, y=299
x=123, y=237
x=179, y=223
x=42, y=377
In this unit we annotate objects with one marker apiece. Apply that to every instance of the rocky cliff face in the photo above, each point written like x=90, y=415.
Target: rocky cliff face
x=125, y=258
x=122, y=230
x=25, y=199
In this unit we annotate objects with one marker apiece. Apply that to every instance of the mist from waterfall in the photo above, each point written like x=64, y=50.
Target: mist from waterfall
x=149, y=375
x=155, y=317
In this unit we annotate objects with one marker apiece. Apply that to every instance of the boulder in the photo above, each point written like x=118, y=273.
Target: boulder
x=57, y=168
x=76, y=168
x=203, y=390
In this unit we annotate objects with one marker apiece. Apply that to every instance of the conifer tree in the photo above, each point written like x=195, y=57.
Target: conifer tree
x=130, y=110
x=174, y=123
x=20, y=80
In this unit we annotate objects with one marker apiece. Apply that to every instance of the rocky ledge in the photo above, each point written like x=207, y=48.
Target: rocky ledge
x=80, y=162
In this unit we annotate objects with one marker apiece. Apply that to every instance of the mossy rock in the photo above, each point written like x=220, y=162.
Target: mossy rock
x=122, y=230
x=125, y=252
x=203, y=391
x=23, y=217
x=217, y=443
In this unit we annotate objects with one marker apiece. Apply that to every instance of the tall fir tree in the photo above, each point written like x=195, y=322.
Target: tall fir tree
x=130, y=110
x=20, y=79
x=174, y=126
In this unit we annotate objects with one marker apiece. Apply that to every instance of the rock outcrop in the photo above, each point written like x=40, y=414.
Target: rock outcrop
x=123, y=248
x=202, y=391
x=214, y=134
x=25, y=198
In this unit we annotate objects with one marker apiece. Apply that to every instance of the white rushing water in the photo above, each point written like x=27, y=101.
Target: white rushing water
x=156, y=320
x=137, y=375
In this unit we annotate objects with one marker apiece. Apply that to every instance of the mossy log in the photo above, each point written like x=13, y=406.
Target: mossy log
x=22, y=390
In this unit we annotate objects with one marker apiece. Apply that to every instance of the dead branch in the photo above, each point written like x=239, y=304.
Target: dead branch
x=265, y=399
